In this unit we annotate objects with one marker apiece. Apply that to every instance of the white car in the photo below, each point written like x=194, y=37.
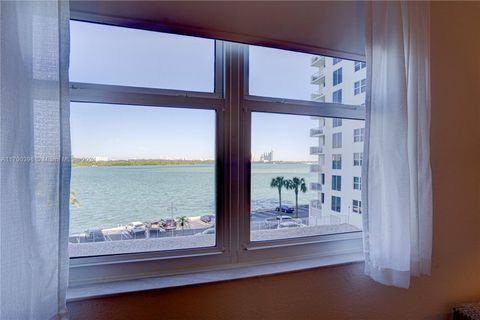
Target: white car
x=136, y=227
x=290, y=224
x=276, y=222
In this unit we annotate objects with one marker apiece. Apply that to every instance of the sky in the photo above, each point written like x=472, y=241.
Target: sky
x=160, y=60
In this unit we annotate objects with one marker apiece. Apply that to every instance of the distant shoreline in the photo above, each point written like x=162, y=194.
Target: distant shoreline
x=158, y=162
x=136, y=162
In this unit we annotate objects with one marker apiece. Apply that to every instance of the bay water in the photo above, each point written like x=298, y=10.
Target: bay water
x=111, y=196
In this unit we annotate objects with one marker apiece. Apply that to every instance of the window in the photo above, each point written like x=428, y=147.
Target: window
x=337, y=76
x=360, y=86
x=359, y=65
x=358, y=135
x=128, y=169
x=337, y=183
x=336, y=161
x=358, y=159
x=357, y=206
x=337, y=140
x=142, y=58
x=307, y=76
x=336, y=60
x=336, y=204
x=153, y=147
x=357, y=183
x=337, y=96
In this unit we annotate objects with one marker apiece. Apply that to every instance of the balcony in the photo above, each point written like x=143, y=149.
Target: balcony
x=317, y=204
x=318, y=61
x=316, y=150
x=316, y=168
x=318, y=96
x=316, y=132
x=318, y=77
x=315, y=186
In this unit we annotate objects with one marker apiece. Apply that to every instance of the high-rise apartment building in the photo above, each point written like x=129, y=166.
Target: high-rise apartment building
x=338, y=143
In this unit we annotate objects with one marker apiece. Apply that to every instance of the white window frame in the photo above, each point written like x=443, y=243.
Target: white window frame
x=340, y=92
x=337, y=77
x=233, y=106
x=359, y=65
x=358, y=159
x=358, y=135
x=336, y=182
x=357, y=183
x=356, y=88
x=332, y=207
x=336, y=60
x=336, y=140
x=357, y=208
x=336, y=122
x=363, y=85
x=359, y=86
x=337, y=161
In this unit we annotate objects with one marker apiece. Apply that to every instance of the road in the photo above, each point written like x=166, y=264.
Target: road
x=257, y=222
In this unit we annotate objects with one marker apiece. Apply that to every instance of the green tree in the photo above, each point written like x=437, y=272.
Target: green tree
x=183, y=221
x=73, y=200
x=296, y=184
x=279, y=183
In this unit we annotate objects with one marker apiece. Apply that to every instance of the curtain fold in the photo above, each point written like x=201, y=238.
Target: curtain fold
x=398, y=193
x=34, y=159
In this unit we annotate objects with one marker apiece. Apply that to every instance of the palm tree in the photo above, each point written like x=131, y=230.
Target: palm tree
x=296, y=184
x=279, y=183
x=73, y=200
x=183, y=221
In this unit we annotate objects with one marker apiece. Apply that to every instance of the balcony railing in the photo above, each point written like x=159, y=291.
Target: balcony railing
x=318, y=77
x=316, y=132
x=315, y=186
x=317, y=96
x=316, y=150
x=317, y=204
x=318, y=61
x=316, y=167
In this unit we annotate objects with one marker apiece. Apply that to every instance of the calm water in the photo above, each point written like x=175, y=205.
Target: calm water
x=112, y=196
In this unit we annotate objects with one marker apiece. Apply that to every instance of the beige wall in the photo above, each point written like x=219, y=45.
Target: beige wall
x=344, y=292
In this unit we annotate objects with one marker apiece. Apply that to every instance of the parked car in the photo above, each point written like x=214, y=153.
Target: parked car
x=94, y=235
x=290, y=224
x=282, y=222
x=169, y=224
x=208, y=218
x=136, y=227
x=285, y=209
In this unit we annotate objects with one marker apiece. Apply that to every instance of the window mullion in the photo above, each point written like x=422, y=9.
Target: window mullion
x=236, y=176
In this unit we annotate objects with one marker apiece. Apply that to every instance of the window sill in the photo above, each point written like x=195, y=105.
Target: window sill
x=239, y=271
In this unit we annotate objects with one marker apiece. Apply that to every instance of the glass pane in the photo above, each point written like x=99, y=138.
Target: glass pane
x=293, y=75
x=122, y=56
x=143, y=179
x=302, y=160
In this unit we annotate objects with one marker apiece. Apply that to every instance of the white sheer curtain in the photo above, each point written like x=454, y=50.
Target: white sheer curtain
x=34, y=159
x=397, y=197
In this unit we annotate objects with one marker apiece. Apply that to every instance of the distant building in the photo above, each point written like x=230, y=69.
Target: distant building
x=101, y=158
x=266, y=157
x=339, y=143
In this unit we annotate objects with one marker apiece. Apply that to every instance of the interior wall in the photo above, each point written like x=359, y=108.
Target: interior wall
x=344, y=292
